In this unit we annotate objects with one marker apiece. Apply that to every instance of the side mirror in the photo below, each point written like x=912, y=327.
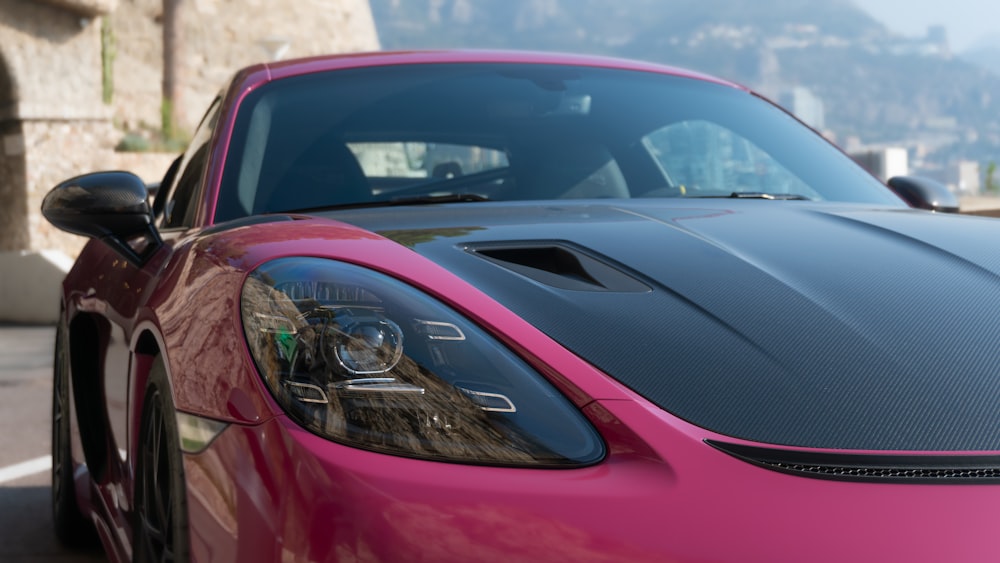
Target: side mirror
x=924, y=193
x=110, y=206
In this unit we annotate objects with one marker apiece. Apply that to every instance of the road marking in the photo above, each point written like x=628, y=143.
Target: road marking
x=31, y=467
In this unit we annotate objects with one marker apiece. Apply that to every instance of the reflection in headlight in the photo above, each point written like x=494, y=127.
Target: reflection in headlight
x=387, y=368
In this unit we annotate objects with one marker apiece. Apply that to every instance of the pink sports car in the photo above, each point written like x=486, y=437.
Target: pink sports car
x=495, y=306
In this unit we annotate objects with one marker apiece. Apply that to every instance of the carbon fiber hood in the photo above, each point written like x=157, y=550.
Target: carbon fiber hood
x=788, y=323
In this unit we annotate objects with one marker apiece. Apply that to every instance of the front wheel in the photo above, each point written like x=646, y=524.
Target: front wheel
x=161, y=530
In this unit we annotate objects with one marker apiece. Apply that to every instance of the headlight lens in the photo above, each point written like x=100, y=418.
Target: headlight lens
x=365, y=360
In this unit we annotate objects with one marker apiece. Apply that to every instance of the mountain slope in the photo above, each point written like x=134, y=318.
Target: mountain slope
x=876, y=86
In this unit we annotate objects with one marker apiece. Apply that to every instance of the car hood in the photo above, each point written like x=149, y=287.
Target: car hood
x=793, y=323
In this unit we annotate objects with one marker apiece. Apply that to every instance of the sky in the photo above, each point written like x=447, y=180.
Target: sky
x=966, y=20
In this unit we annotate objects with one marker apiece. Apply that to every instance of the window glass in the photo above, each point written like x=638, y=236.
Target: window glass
x=702, y=158
x=399, y=164
x=179, y=208
x=497, y=131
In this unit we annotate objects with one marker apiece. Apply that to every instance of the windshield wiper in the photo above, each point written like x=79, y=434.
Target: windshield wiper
x=755, y=195
x=433, y=198
x=765, y=195
x=399, y=200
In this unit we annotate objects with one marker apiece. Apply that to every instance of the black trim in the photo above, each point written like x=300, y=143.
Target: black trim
x=86, y=346
x=873, y=468
x=561, y=265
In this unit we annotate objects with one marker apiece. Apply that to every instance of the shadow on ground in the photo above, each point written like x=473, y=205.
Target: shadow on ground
x=26, y=530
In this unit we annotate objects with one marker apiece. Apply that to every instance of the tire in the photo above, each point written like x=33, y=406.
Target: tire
x=160, y=530
x=72, y=529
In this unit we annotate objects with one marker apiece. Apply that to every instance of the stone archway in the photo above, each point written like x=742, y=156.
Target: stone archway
x=13, y=198
x=52, y=125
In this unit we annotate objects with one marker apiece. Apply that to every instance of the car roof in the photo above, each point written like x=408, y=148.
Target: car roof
x=266, y=72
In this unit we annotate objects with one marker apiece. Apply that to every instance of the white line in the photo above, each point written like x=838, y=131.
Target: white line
x=16, y=471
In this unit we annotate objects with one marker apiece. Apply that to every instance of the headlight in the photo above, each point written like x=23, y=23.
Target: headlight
x=365, y=360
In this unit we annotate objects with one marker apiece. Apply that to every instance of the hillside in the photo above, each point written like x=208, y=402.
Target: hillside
x=876, y=87
x=985, y=52
x=626, y=27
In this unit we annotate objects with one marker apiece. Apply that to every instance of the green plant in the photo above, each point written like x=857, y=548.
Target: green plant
x=151, y=141
x=990, y=184
x=167, y=119
x=107, y=60
x=133, y=142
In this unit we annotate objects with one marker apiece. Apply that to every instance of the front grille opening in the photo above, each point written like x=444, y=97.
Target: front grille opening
x=881, y=468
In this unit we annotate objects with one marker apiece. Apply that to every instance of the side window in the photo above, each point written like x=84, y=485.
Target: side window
x=179, y=211
x=706, y=159
x=179, y=207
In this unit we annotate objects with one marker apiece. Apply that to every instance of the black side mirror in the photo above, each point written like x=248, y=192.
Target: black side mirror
x=111, y=206
x=924, y=193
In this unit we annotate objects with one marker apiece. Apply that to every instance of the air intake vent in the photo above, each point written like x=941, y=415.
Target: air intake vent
x=560, y=265
x=906, y=468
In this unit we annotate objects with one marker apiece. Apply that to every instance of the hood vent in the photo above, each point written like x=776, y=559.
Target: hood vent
x=880, y=468
x=560, y=265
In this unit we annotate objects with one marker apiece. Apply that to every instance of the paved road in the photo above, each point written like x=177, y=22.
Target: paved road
x=25, y=407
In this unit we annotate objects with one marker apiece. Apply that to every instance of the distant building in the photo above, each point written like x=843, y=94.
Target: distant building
x=934, y=44
x=884, y=162
x=969, y=178
x=938, y=35
x=805, y=105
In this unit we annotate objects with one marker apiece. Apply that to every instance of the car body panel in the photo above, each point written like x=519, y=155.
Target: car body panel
x=675, y=502
x=844, y=287
x=288, y=493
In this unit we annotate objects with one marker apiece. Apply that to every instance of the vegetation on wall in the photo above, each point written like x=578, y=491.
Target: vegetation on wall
x=107, y=61
x=168, y=136
x=990, y=182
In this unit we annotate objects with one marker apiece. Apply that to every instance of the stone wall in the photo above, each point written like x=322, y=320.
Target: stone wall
x=53, y=57
x=221, y=36
x=13, y=198
x=55, y=122
x=86, y=8
x=60, y=150
x=51, y=86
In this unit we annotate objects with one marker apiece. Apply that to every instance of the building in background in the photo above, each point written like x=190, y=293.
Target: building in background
x=969, y=177
x=805, y=105
x=884, y=162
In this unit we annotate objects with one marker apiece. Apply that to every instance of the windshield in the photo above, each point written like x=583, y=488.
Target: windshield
x=475, y=132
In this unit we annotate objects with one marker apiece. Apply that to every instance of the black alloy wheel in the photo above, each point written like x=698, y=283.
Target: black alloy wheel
x=160, y=533
x=71, y=527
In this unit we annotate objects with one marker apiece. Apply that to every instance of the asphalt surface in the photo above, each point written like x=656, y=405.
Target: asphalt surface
x=25, y=409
